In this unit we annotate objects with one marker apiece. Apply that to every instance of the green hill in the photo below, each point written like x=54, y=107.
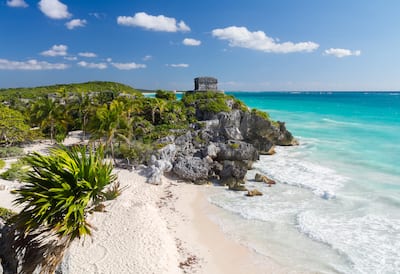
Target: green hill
x=97, y=86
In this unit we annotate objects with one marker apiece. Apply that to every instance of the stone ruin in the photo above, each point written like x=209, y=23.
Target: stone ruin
x=205, y=84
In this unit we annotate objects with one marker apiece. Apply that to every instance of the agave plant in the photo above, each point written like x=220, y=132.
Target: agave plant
x=61, y=190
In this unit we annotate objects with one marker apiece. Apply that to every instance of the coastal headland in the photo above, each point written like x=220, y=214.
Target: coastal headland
x=156, y=224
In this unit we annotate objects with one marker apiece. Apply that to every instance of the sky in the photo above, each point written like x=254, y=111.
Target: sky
x=254, y=45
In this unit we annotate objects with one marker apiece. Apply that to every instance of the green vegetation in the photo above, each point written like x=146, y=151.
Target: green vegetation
x=13, y=127
x=6, y=213
x=61, y=190
x=207, y=101
x=6, y=152
x=101, y=87
x=110, y=113
x=2, y=163
x=234, y=145
x=167, y=95
x=16, y=171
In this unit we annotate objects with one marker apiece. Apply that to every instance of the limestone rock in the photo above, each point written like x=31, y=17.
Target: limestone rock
x=192, y=169
x=263, y=134
x=233, y=174
x=262, y=178
x=167, y=153
x=254, y=192
x=237, y=151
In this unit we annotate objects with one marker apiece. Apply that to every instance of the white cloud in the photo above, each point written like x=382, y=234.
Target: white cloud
x=128, y=66
x=98, y=15
x=147, y=58
x=17, y=4
x=56, y=50
x=71, y=58
x=87, y=54
x=155, y=23
x=54, y=9
x=109, y=60
x=30, y=65
x=191, y=42
x=74, y=23
x=340, y=53
x=178, y=65
x=92, y=65
x=258, y=40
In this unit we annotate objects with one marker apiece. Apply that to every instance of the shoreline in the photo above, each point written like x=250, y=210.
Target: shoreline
x=217, y=251
x=155, y=229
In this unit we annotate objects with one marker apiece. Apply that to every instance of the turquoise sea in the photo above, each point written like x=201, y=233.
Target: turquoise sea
x=336, y=207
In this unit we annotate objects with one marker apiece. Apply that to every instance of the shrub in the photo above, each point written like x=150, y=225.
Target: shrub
x=6, y=152
x=166, y=95
x=16, y=171
x=6, y=213
x=2, y=163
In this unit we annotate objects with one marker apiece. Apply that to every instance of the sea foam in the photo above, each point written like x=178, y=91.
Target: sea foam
x=371, y=243
x=290, y=166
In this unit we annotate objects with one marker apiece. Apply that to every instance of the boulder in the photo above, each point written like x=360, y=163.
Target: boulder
x=262, y=178
x=193, y=169
x=254, y=192
x=237, y=151
x=233, y=174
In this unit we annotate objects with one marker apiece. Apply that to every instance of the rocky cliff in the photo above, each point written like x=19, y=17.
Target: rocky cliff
x=222, y=145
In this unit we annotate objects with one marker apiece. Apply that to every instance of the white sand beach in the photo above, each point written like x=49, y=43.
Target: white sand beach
x=156, y=229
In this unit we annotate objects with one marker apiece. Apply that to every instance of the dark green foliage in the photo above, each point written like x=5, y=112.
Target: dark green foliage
x=6, y=213
x=6, y=152
x=137, y=152
x=166, y=95
x=210, y=102
x=97, y=86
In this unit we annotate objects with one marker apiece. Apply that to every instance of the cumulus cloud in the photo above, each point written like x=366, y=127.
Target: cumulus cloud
x=178, y=65
x=92, y=65
x=155, y=23
x=74, y=23
x=87, y=54
x=56, y=50
x=54, y=9
x=128, y=66
x=340, y=53
x=17, y=4
x=30, y=65
x=191, y=42
x=258, y=40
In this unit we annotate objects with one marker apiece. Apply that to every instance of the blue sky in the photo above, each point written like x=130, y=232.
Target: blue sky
x=158, y=44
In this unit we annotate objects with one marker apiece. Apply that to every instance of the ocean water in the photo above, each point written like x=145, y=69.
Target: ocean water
x=336, y=207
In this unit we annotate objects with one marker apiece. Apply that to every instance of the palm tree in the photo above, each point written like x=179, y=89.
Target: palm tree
x=109, y=121
x=62, y=190
x=48, y=112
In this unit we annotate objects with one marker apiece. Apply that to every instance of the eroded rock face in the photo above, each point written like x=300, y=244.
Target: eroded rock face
x=193, y=169
x=263, y=134
x=223, y=146
x=237, y=151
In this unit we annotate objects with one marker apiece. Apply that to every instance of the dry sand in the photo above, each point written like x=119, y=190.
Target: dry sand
x=155, y=229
